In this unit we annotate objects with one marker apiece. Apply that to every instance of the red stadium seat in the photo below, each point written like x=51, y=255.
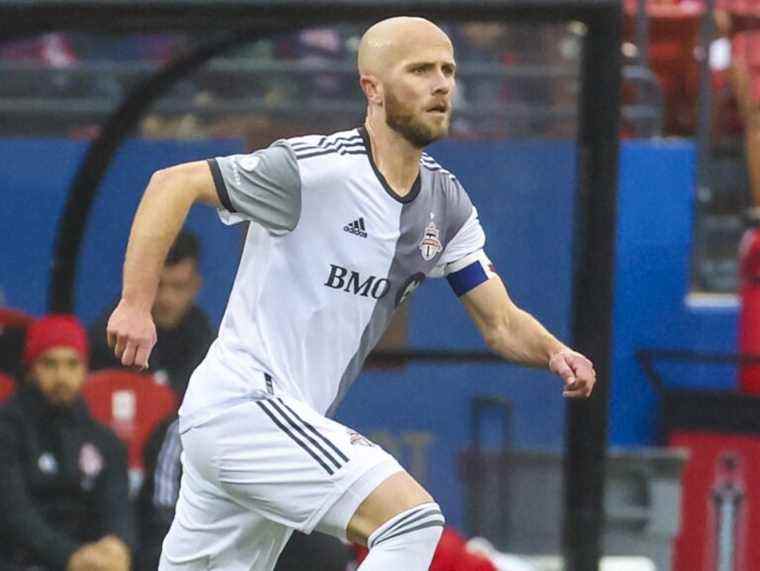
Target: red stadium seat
x=7, y=387
x=14, y=318
x=132, y=405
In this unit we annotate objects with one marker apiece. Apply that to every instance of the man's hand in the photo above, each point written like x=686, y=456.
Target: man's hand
x=131, y=334
x=89, y=557
x=108, y=554
x=116, y=551
x=576, y=371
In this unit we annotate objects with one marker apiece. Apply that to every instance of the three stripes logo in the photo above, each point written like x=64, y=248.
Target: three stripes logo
x=356, y=227
x=303, y=433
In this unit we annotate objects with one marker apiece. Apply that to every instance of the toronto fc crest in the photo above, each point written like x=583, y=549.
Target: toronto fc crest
x=431, y=243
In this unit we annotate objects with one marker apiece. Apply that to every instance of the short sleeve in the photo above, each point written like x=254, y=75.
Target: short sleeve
x=469, y=238
x=264, y=187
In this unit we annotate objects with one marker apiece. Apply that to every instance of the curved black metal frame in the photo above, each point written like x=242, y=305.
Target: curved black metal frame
x=100, y=153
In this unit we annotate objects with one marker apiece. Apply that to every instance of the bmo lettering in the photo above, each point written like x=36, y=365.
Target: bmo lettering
x=350, y=281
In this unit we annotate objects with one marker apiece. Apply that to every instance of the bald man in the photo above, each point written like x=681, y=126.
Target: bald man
x=345, y=228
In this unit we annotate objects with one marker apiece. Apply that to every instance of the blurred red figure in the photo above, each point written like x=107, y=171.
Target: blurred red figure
x=739, y=20
x=450, y=555
x=749, y=316
x=673, y=38
x=52, y=50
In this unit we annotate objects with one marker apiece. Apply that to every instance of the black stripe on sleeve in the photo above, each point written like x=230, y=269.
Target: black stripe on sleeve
x=408, y=519
x=221, y=187
x=317, y=153
x=436, y=523
x=284, y=428
x=315, y=431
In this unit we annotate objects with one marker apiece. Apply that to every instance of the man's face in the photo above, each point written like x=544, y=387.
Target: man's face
x=59, y=373
x=418, y=95
x=177, y=289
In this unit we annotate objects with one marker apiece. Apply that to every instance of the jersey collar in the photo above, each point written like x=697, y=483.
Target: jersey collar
x=411, y=195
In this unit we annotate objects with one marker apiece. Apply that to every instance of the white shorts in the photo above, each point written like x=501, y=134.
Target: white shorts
x=256, y=471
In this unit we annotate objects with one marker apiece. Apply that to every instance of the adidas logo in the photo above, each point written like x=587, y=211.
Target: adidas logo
x=356, y=227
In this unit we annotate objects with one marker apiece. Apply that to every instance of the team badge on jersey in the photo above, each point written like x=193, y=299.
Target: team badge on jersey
x=431, y=243
x=357, y=439
x=250, y=163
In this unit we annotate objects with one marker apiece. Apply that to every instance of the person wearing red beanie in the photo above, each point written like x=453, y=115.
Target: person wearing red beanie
x=63, y=476
x=55, y=356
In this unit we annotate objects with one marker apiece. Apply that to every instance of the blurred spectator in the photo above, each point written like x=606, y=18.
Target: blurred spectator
x=484, y=43
x=673, y=29
x=53, y=50
x=158, y=495
x=323, y=49
x=184, y=332
x=63, y=476
x=740, y=20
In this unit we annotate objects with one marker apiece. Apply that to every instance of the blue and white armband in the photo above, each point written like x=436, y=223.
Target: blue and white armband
x=469, y=272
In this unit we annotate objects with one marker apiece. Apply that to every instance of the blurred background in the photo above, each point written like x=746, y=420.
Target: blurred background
x=486, y=438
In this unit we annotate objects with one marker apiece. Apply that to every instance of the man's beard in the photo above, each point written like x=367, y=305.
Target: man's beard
x=414, y=130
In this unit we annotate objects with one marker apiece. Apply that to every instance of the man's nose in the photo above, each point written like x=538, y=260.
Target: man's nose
x=442, y=83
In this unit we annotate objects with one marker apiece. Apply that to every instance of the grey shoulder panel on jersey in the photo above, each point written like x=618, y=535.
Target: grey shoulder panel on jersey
x=264, y=186
x=456, y=202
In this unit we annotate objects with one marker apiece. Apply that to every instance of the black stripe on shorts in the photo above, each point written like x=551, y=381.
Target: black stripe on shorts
x=295, y=439
x=302, y=432
x=315, y=431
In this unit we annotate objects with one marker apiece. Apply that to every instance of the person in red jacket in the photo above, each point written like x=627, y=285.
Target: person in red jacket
x=740, y=21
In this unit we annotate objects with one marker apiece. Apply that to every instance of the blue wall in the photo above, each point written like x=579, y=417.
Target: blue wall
x=524, y=192
x=654, y=248
x=36, y=176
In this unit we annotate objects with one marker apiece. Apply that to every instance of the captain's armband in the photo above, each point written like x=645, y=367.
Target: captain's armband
x=469, y=272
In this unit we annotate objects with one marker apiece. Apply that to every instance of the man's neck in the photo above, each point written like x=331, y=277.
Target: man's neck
x=396, y=158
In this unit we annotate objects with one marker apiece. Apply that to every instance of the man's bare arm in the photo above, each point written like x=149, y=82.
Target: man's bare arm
x=160, y=216
x=519, y=337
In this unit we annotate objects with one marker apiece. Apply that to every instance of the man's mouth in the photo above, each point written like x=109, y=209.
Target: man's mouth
x=439, y=108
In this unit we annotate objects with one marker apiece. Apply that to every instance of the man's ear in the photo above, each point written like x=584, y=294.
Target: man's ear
x=372, y=89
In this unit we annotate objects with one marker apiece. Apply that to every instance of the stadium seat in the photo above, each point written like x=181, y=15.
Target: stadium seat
x=132, y=405
x=7, y=387
x=14, y=318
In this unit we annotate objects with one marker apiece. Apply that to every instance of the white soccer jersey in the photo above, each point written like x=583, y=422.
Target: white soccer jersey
x=331, y=253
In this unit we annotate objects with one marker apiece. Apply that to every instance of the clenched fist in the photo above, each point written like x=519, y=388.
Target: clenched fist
x=131, y=334
x=576, y=371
